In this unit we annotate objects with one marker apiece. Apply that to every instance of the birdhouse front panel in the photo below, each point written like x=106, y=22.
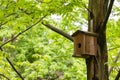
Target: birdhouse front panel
x=79, y=45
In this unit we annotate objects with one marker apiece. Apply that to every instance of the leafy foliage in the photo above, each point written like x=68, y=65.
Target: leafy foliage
x=41, y=53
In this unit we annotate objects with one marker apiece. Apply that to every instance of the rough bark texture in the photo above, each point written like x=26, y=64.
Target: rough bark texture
x=96, y=67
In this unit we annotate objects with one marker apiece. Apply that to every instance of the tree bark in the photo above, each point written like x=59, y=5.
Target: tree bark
x=97, y=69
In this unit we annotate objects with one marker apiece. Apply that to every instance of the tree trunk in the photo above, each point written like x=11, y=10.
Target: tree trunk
x=97, y=69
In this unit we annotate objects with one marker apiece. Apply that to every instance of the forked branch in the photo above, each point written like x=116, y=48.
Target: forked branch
x=115, y=61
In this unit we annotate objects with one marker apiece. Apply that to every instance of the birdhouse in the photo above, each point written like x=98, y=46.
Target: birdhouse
x=85, y=44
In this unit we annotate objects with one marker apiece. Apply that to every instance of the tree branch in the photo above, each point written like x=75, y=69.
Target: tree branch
x=4, y=76
x=108, y=13
x=113, y=48
x=9, y=15
x=118, y=76
x=25, y=11
x=58, y=31
x=1, y=24
x=14, y=68
x=21, y=32
x=6, y=16
x=115, y=60
x=45, y=2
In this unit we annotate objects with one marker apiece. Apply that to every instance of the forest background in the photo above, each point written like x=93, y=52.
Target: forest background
x=37, y=52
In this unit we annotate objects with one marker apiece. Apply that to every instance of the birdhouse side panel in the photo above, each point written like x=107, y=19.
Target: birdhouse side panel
x=91, y=45
x=79, y=44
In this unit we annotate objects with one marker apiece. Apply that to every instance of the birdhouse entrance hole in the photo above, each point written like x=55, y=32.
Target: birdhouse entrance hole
x=79, y=45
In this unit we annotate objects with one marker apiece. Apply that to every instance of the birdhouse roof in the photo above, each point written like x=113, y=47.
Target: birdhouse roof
x=84, y=32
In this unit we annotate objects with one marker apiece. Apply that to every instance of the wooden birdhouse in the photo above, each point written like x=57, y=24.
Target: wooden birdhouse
x=85, y=44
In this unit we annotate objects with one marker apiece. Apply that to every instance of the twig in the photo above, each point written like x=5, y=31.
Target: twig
x=113, y=48
x=118, y=76
x=45, y=2
x=14, y=68
x=3, y=23
x=4, y=76
x=21, y=32
x=25, y=11
x=108, y=13
x=115, y=60
x=6, y=16
x=1, y=49
x=9, y=15
x=58, y=31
